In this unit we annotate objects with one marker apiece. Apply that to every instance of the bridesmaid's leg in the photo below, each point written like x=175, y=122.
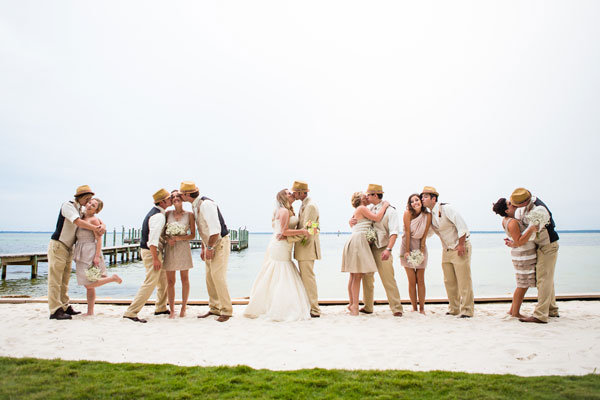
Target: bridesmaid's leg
x=350, y=298
x=421, y=289
x=91, y=299
x=104, y=281
x=355, y=293
x=412, y=286
x=185, y=291
x=171, y=292
x=515, y=308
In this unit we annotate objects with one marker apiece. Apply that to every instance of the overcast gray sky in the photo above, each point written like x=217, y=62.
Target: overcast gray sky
x=243, y=97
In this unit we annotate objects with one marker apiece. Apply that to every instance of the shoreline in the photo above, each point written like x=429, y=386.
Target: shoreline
x=490, y=342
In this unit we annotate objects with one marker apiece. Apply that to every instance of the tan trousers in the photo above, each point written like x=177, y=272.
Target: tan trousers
x=154, y=279
x=457, y=279
x=386, y=273
x=59, y=273
x=544, y=275
x=216, y=279
x=307, y=274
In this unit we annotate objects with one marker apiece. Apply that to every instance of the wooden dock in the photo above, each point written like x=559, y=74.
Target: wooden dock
x=128, y=251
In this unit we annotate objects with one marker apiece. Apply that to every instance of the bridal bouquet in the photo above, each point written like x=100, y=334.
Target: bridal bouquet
x=93, y=273
x=415, y=258
x=175, y=229
x=537, y=216
x=313, y=228
x=371, y=235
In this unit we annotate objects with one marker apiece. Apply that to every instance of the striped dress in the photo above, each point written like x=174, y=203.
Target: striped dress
x=524, y=258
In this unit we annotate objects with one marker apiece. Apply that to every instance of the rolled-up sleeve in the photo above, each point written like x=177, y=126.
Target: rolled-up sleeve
x=393, y=224
x=457, y=220
x=156, y=225
x=211, y=216
x=69, y=211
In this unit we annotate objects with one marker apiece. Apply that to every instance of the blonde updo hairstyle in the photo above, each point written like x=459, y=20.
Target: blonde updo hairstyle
x=356, y=199
x=100, y=204
x=283, y=201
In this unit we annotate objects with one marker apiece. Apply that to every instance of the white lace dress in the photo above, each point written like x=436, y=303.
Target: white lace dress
x=278, y=293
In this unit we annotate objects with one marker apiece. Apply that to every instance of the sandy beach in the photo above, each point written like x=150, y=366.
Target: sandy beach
x=492, y=342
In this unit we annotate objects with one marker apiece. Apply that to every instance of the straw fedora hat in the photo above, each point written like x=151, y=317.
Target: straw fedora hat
x=188, y=187
x=520, y=196
x=373, y=188
x=160, y=195
x=300, y=186
x=430, y=190
x=84, y=189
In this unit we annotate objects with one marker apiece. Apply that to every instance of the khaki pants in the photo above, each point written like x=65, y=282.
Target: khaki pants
x=457, y=279
x=307, y=274
x=154, y=279
x=544, y=275
x=59, y=273
x=386, y=273
x=216, y=279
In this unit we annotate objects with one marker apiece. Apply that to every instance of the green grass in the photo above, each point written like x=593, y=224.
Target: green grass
x=27, y=378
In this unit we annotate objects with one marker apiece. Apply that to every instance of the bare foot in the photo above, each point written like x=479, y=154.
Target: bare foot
x=88, y=314
x=117, y=279
x=422, y=312
x=349, y=307
x=182, y=312
x=353, y=310
x=172, y=315
x=519, y=315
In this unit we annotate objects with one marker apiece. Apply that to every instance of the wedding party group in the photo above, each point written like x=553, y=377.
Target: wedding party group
x=285, y=290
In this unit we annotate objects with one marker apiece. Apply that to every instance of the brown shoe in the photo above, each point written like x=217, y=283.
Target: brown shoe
x=397, y=314
x=70, y=311
x=208, y=314
x=532, y=319
x=362, y=310
x=315, y=315
x=223, y=318
x=136, y=319
x=60, y=314
x=464, y=316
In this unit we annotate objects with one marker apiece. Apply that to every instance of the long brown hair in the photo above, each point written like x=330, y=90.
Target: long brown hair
x=411, y=210
x=282, y=200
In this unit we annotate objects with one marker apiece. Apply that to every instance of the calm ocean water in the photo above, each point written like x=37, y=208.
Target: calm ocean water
x=577, y=270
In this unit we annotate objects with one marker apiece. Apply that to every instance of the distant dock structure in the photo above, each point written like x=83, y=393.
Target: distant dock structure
x=128, y=249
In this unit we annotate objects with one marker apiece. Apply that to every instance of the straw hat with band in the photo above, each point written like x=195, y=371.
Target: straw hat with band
x=430, y=190
x=160, y=195
x=373, y=188
x=84, y=189
x=300, y=186
x=188, y=187
x=520, y=196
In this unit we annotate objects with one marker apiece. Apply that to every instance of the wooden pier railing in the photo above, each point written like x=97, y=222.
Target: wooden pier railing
x=129, y=250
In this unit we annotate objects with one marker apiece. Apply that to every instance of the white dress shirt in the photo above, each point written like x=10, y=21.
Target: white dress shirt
x=156, y=223
x=208, y=210
x=392, y=214
x=449, y=232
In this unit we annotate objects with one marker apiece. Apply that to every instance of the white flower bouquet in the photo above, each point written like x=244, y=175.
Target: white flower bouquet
x=371, y=235
x=537, y=216
x=175, y=229
x=93, y=273
x=415, y=258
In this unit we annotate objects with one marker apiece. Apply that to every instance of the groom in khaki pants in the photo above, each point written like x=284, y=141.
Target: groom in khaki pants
x=307, y=253
x=152, y=257
x=216, y=247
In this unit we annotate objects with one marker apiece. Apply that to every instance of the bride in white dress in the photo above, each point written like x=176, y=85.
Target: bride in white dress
x=278, y=293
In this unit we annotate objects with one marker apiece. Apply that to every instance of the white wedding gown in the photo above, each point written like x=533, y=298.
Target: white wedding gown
x=278, y=293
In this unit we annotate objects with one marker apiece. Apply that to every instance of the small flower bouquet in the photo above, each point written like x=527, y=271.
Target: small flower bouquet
x=415, y=258
x=175, y=229
x=537, y=216
x=93, y=273
x=371, y=235
x=313, y=228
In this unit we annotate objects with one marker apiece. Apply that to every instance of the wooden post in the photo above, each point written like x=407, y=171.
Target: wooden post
x=114, y=236
x=104, y=239
x=3, y=272
x=122, y=234
x=34, y=267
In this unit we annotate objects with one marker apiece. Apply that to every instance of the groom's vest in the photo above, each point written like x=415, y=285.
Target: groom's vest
x=382, y=229
x=203, y=225
x=146, y=228
x=552, y=235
